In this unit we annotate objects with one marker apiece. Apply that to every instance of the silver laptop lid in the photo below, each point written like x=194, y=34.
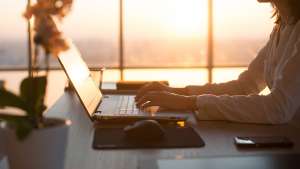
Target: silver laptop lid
x=78, y=73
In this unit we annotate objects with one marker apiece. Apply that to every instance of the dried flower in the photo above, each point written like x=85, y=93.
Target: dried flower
x=47, y=14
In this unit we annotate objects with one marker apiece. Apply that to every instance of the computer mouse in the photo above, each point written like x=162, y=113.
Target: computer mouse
x=145, y=130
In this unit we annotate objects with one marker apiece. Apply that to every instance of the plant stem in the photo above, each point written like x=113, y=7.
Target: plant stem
x=47, y=63
x=30, y=43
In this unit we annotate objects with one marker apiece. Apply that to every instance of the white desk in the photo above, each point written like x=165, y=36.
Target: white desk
x=218, y=137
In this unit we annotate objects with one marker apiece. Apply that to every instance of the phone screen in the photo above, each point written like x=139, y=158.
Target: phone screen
x=272, y=141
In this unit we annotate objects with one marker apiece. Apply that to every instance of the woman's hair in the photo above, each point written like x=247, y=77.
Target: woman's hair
x=294, y=6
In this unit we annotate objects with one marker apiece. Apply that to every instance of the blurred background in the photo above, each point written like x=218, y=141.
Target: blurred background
x=162, y=40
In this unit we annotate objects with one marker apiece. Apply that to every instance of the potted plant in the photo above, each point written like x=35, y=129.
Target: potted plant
x=30, y=140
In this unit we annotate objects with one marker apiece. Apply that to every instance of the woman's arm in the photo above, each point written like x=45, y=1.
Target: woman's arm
x=250, y=81
x=157, y=94
x=276, y=108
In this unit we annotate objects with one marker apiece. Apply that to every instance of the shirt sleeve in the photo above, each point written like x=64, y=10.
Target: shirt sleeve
x=276, y=108
x=251, y=81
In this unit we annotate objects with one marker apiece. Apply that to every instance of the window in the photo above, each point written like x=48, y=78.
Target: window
x=241, y=28
x=157, y=35
x=165, y=33
x=13, y=33
x=162, y=39
x=93, y=26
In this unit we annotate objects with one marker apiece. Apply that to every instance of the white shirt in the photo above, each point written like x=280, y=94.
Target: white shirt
x=276, y=66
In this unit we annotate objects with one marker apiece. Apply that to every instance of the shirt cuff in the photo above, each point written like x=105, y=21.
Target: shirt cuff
x=205, y=99
x=207, y=108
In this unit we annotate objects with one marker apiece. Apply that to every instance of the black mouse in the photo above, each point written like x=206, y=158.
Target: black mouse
x=145, y=130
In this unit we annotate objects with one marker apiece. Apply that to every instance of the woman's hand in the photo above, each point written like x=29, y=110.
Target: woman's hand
x=153, y=86
x=167, y=100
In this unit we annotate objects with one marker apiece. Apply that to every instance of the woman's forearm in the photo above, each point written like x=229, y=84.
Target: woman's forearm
x=180, y=91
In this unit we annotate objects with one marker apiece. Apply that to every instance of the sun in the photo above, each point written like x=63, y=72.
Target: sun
x=185, y=18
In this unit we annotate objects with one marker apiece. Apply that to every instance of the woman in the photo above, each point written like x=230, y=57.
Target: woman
x=276, y=66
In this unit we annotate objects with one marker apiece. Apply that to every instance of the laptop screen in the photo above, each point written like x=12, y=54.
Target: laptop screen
x=78, y=73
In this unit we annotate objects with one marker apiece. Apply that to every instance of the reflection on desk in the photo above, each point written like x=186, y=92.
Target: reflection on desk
x=234, y=162
x=3, y=162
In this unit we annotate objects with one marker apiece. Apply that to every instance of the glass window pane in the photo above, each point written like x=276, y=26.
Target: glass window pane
x=93, y=25
x=162, y=33
x=56, y=83
x=241, y=29
x=13, y=34
x=176, y=77
x=221, y=75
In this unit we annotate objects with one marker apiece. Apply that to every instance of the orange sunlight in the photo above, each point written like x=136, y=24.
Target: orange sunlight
x=185, y=19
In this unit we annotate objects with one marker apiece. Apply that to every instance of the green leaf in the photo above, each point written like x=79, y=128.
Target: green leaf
x=31, y=100
x=9, y=99
x=33, y=90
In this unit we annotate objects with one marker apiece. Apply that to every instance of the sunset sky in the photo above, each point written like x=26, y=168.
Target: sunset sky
x=150, y=19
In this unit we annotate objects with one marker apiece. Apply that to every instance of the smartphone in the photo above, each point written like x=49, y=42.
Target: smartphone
x=263, y=142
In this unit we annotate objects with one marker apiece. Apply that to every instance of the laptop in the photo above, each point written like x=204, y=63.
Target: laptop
x=108, y=108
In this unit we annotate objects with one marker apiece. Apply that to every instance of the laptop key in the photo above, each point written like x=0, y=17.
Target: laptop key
x=127, y=106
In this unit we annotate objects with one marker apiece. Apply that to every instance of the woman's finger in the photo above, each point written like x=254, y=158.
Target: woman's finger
x=153, y=86
x=143, y=90
x=150, y=96
x=143, y=100
x=149, y=104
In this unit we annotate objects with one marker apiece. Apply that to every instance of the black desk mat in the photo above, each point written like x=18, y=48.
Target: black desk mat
x=114, y=138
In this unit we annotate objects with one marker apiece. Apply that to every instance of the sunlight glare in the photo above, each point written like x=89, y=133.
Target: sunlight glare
x=176, y=77
x=74, y=65
x=185, y=18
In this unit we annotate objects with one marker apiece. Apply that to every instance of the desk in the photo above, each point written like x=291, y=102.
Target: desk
x=218, y=137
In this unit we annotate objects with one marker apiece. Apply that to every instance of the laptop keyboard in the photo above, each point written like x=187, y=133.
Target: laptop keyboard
x=127, y=105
